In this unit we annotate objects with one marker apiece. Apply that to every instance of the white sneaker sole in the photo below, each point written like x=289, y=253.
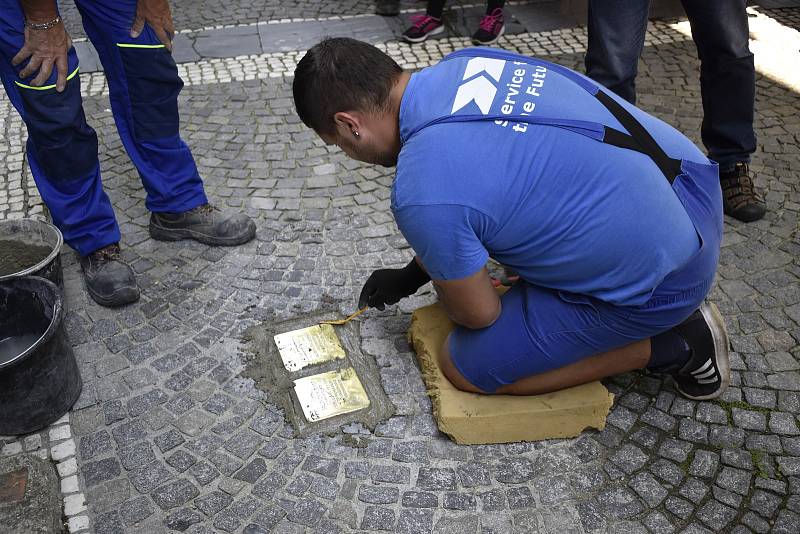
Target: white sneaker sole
x=721, y=350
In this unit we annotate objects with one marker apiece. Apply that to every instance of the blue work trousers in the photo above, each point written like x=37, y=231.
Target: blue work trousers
x=143, y=87
x=727, y=72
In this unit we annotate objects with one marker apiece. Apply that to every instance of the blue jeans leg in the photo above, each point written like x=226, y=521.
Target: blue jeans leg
x=727, y=78
x=616, y=38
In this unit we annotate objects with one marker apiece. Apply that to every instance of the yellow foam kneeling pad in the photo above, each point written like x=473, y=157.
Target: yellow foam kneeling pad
x=472, y=419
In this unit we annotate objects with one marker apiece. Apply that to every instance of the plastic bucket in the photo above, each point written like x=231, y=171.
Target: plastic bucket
x=39, y=378
x=30, y=238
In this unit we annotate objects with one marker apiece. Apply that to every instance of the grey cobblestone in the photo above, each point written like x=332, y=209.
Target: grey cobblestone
x=378, y=494
x=716, y=515
x=649, y=489
x=174, y=494
x=694, y=490
x=161, y=377
x=436, y=479
x=414, y=521
x=307, y=512
x=100, y=471
x=149, y=476
x=378, y=518
x=492, y=500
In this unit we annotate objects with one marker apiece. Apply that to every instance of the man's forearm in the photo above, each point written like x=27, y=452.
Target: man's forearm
x=470, y=302
x=39, y=11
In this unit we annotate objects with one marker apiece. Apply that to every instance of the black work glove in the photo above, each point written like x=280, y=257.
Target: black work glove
x=387, y=286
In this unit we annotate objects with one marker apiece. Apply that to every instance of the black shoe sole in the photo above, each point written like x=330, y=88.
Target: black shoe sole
x=159, y=233
x=121, y=297
x=721, y=351
x=747, y=218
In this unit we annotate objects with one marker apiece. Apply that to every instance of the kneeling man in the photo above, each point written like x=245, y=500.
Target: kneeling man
x=612, y=218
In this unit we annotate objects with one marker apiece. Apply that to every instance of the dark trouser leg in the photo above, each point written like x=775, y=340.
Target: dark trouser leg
x=727, y=78
x=62, y=148
x=616, y=38
x=435, y=8
x=494, y=4
x=387, y=8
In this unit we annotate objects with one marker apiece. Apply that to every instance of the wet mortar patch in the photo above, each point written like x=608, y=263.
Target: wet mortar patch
x=16, y=256
x=267, y=370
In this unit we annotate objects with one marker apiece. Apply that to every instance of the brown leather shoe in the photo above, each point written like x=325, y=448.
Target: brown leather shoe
x=739, y=198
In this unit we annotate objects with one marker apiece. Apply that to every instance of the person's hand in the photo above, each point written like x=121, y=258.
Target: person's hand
x=388, y=286
x=45, y=48
x=156, y=13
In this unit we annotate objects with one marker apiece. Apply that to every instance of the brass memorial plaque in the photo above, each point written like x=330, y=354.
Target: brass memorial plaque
x=308, y=346
x=329, y=394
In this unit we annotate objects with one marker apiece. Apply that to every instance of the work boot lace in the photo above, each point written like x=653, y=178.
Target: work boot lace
x=737, y=186
x=421, y=22
x=488, y=22
x=205, y=209
x=107, y=253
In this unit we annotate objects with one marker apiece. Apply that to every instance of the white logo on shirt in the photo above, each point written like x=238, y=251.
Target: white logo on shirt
x=479, y=89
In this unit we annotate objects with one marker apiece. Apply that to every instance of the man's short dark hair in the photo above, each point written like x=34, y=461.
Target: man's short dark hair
x=341, y=74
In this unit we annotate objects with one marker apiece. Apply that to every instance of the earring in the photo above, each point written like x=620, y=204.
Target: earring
x=356, y=134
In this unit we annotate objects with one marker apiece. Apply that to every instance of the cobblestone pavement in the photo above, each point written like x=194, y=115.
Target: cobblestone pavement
x=170, y=437
x=296, y=34
x=18, y=195
x=193, y=14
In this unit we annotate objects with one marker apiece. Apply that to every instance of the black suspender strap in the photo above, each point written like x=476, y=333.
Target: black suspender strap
x=639, y=139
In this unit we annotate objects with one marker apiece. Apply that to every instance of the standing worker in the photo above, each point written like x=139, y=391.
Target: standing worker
x=727, y=81
x=611, y=217
x=39, y=70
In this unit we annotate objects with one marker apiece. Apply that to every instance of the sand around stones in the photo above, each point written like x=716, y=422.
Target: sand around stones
x=477, y=419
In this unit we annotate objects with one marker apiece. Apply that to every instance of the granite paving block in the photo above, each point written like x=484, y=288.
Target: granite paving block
x=228, y=42
x=324, y=223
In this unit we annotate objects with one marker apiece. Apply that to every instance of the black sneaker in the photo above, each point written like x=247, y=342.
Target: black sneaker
x=490, y=28
x=206, y=224
x=387, y=8
x=739, y=199
x=422, y=27
x=109, y=280
x=708, y=372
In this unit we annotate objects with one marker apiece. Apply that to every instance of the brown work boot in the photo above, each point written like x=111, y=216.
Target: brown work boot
x=739, y=198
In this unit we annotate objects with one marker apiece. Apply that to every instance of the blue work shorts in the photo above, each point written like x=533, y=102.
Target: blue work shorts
x=540, y=329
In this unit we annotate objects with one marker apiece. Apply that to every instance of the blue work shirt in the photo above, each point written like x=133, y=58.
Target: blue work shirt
x=549, y=200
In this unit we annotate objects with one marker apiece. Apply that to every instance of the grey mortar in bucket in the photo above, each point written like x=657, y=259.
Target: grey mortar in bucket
x=39, y=377
x=30, y=247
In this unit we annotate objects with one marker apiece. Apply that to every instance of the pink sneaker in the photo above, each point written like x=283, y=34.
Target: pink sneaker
x=490, y=29
x=422, y=27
